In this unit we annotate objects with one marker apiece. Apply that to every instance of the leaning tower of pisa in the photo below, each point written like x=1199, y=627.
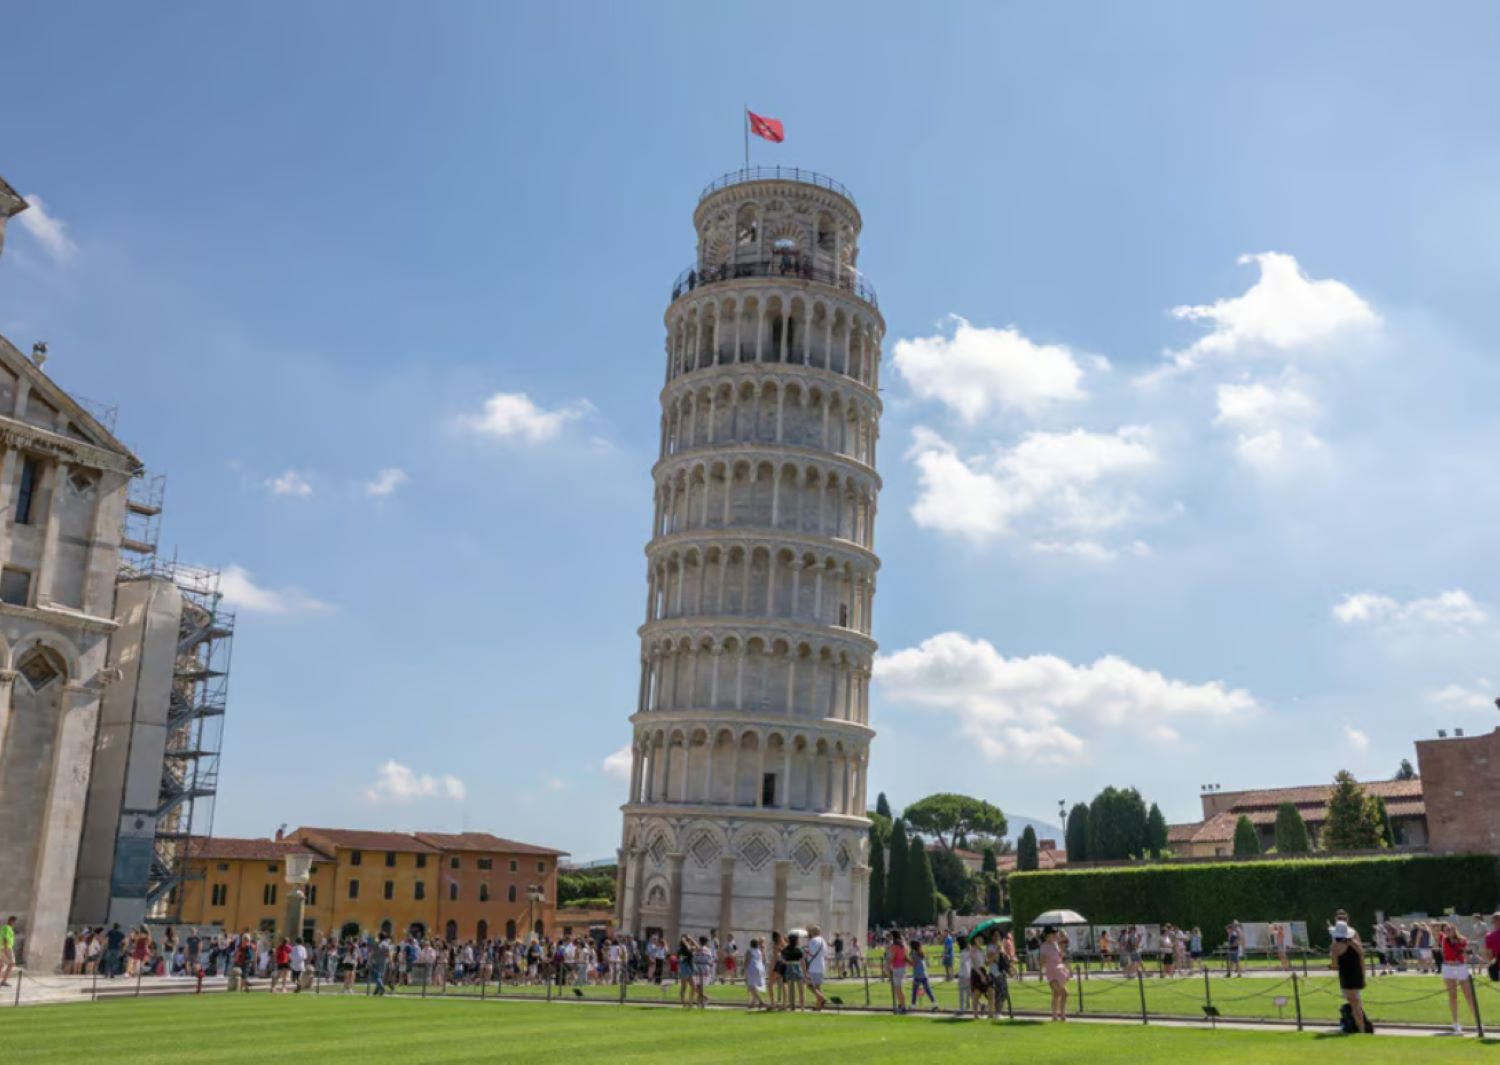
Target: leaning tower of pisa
x=751, y=740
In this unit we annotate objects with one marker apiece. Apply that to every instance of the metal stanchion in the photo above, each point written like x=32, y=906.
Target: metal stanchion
x=1078, y=979
x=424, y=980
x=1473, y=997
x=1297, y=1000
x=1141, y=984
x=21, y=974
x=1208, y=994
x=864, y=971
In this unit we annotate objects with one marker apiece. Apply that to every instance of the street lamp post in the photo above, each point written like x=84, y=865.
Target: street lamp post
x=534, y=895
x=298, y=866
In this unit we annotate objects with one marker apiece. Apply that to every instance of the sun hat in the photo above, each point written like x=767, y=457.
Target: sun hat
x=1340, y=930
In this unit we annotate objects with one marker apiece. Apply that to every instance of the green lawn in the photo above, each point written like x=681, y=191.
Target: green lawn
x=1409, y=1000
x=255, y=1029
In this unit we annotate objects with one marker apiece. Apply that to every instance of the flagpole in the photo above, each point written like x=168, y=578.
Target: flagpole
x=747, y=136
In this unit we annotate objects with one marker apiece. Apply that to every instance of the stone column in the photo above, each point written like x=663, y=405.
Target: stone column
x=726, y=897
x=296, y=903
x=674, y=915
x=825, y=898
x=638, y=887
x=778, y=905
x=7, y=681
x=62, y=824
x=7, y=492
x=55, y=477
x=859, y=878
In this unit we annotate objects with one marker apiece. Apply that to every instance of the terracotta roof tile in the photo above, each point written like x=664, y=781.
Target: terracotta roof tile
x=481, y=841
x=224, y=848
x=359, y=839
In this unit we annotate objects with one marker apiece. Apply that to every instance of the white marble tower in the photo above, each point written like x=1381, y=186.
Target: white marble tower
x=751, y=740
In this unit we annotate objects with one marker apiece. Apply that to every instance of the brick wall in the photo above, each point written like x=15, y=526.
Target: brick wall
x=1461, y=786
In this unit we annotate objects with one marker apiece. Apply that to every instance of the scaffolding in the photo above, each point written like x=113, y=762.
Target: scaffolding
x=197, y=700
x=195, y=729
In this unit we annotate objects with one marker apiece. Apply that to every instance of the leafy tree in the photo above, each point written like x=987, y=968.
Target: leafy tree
x=947, y=816
x=941, y=904
x=989, y=872
x=953, y=879
x=877, y=880
x=1026, y=852
x=1246, y=842
x=880, y=827
x=1156, y=831
x=895, y=876
x=1353, y=823
x=1387, y=832
x=1405, y=771
x=882, y=807
x=1291, y=831
x=572, y=887
x=1117, y=825
x=918, y=898
x=1077, y=833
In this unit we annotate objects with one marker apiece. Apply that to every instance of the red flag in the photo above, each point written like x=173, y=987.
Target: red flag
x=769, y=128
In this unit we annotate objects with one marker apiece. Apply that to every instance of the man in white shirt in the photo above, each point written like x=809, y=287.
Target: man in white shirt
x=816, y=954
x=299, y=964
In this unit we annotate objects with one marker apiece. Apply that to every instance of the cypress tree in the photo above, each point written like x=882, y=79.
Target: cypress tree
x=1246, y=842
x=895, y=876
x=989, y=871
x=877, y=881
x=1156, y=831
x=1387, y=831
x=882, y=807
x=919, y=897
x=1077, y=833
x=1353, y=824
x=1291, y=831
x=1026, y=851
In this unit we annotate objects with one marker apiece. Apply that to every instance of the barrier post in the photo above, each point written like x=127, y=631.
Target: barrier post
x=1078, y=979
x=424, y=980
x=1473, y=997
x=21, y=974
x=1140, y=982
x=1208, y=995
x=1297, y=1000
x=865, y=972
x=549, y=987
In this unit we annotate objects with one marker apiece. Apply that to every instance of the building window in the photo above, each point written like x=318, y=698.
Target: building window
x=273, y=867
x=354, y=889
x=510, y=893
x=390, y=889
x=390, y=859
x=453, y=862
x=220, y=895
x=355, y=857
x=223, y=867
x=768, y=789
x=26, y=492
x=484, y=893
x=421, y=861
x=420, y=890
x=486, y=863
x=15, y=586
x=514, y=865
x=268, y=895
x=452, y=892
x=312, y=894
x=541, y=867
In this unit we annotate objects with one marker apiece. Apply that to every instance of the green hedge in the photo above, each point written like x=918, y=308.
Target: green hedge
x=1211, y=895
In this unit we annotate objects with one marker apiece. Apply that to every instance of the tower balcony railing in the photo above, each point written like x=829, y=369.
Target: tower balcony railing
x=788, y=266
x=775, y=173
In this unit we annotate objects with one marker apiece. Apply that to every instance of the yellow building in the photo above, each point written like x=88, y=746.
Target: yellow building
x=458, y=886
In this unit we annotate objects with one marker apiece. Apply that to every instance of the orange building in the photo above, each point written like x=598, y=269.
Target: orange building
x=460, y=886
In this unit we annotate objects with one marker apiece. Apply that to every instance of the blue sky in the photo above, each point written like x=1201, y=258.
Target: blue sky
x=1250, y=541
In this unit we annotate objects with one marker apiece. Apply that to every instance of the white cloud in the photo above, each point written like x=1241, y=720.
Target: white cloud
x=1478, y=697
x=978, y=370
x=386, y=482
x=1451, y=609
x=1357, y=739
x=239, y=590
x=1039, y=708
x=618, y=763
x=396, y=783
x=1270, y=423
x=513, y=416
x=1284, y=310
x=48, y=230
x=290, y=483
x=1051, y=487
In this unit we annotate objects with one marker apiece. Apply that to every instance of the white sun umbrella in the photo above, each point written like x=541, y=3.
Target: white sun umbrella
x=800, y=933
x=1059, y=917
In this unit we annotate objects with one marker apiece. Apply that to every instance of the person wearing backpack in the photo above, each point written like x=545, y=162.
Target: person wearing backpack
x=1348, y=956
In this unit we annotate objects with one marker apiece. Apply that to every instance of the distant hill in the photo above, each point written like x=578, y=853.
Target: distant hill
x=1044, y=830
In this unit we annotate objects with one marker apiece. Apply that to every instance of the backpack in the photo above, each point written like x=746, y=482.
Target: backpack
x=1346, y=1021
